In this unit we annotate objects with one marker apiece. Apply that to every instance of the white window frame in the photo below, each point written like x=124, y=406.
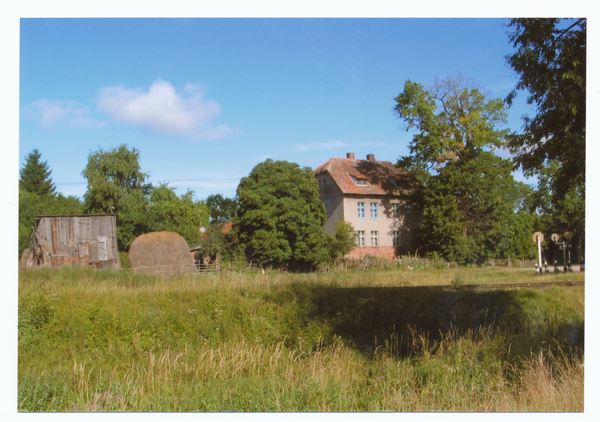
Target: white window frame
x=360, y=237
x=374, y=211
x=374, y=238
x=361, y=210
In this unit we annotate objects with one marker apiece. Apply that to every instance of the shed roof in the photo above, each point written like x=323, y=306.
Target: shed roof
x=382, y=177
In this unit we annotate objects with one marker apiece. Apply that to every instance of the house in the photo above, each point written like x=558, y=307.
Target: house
x=73, y=240
x=373, y=196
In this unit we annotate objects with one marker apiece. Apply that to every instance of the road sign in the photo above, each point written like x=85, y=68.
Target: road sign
x=555, y=237
x=536, y=235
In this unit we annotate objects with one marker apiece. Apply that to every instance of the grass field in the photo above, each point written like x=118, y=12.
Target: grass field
x=342, y=341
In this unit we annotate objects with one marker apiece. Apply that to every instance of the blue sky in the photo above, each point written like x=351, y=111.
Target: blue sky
x=205, y=100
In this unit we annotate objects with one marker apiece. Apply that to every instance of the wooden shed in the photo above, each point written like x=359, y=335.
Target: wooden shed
x=74, y=240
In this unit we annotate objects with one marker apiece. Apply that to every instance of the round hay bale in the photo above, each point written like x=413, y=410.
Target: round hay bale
x=161, y=253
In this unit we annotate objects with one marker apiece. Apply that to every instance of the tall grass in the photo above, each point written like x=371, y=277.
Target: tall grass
x=117, y=341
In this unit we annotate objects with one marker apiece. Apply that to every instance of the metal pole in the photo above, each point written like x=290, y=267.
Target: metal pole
x=539, y=242
x=564, y=249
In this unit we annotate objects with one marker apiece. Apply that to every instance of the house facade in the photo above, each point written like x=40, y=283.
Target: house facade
x=373, y=196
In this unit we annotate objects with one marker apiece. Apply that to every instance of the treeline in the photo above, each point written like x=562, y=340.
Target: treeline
x=277, y=215
x=473, y=209
x=115, y=186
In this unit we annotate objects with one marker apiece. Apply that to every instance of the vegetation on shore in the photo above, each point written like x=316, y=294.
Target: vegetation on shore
x=340, y=341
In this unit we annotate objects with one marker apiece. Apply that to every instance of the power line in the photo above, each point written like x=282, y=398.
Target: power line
x=163, y=181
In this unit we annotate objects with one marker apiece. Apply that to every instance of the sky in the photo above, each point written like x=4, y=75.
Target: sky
x=205, y=100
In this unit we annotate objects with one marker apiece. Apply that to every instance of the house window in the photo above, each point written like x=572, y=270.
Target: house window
x=397, y=239
x=361, y=238
x=374, y=210
x=396, y=210
x=361, y=210
x=407, y=213
x=361, y=182
x=374, y=238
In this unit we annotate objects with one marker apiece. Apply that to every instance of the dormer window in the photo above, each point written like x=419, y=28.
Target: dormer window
x=359, y=181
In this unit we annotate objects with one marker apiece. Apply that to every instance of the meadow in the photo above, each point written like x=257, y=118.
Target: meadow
x=373, y=340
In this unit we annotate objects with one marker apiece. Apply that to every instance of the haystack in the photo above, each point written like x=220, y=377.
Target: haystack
x=161, y=253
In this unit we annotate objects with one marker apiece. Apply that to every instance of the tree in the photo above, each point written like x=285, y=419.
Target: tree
x=280, y=217
x=342, y=241
x=468, y=192
x=183, y=215
x=558, y=214
x=35, y=175
x=37, y=196
x=116, y=185
x=550, y=59
x=222, y=210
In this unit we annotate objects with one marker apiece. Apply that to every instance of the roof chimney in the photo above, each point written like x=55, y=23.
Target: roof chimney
x=350, y=156
x=371, y=157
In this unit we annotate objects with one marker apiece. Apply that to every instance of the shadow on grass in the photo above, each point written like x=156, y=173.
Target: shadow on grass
x=369, y=317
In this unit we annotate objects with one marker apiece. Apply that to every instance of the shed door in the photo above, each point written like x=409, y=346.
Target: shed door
x=103, y=248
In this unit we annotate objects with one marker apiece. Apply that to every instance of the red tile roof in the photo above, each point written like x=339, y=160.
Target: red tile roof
x=383, y=178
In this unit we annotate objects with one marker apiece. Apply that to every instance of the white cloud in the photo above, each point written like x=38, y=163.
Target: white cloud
x=323, y=145
x=164, y=110
x=53, y=113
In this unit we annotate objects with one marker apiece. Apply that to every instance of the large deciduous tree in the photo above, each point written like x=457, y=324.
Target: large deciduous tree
x=222, y=210
x=469, y=195
x=116, y=185
x=35, y=175
x=550, y=60
x=280, y=217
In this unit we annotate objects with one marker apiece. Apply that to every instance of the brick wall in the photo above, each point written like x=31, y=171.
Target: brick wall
x=378, y=251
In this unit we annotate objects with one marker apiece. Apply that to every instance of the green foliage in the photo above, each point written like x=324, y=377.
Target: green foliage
x=111, y=175
x=117, y=186
x=169, y=212
x=280, y=217
x=469, y=196
x=222, y=210
x=343, y=241
x=550, y=59
x=35, y=175
x=37, y=197
x=555, y=214
x=453, y=121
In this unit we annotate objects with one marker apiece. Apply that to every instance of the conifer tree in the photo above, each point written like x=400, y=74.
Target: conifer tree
x=35, y=175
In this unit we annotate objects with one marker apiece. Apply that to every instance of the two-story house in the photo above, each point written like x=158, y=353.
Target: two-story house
x=373, y=196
